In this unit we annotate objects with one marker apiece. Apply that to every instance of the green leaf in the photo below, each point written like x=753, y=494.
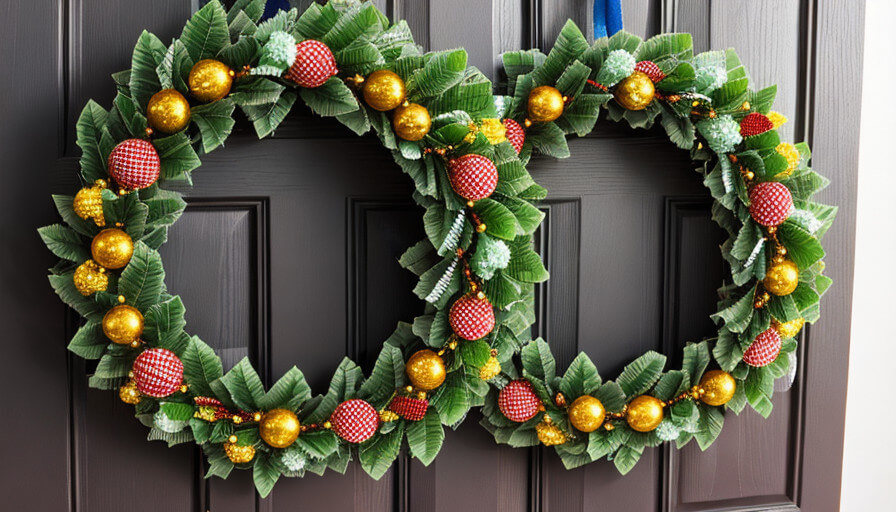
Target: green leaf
x=548, y=139
x=331, y=99
x=425, y=437
x=378, y=453
x=387, y=375
x=289, y=392
x=351, y=25
x=500, y=222
x=89, y=129
x=581, y=378
x=207, y=32
x=266, y=118
x=696, y=359
x=87, y=307
x=452, y=399
x=711, y=422
x=177, y=411
x=320, y=444
x=441, y=71
x=143, y=280
x=626, y=458
x=803, y=248
x=662, y=47
x=727, y=352
x=525, y=264
x=65, y=243
x=89, y=342
x=84, y=226
x=256, y=91
x=473, y=353
x=569, y=46
x=164, y=325
x=177, y=156
x=641, y=374
x=581, y=114
x=149, y=53
x=244, y=386
x=264, y=472
x=127, y=210
x=528, y=217
x=215, y=122
x=201, y=367
x=737, y=316
x=538, y=360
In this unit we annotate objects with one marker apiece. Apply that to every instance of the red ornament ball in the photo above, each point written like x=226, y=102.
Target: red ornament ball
x=515, y=134
x=764, y=349
x=770, y=203
x=473, y=177
x=355, y=420
x=134, y=164
x=754, y=124
x=413, y=409
x=471, y=318
x=518, y=401
x=314, y=64
x=158, y=372
x=649, y=68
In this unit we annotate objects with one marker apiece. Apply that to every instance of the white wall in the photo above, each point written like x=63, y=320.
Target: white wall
x=869, y=462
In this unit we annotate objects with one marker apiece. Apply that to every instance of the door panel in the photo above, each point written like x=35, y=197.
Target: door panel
x=287, y=255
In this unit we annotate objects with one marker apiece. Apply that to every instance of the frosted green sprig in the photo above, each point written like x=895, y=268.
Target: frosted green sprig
x=618, y=65
x=710, y=78
x=279, y=51
x=491, y=255
x=722, y=133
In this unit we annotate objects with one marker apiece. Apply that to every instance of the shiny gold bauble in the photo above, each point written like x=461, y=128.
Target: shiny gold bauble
x=586, y=413
x=129, y=393
x=239, y=454
x=383, y=90
x=545, y=104
x=490, y=369
x=789, y=329
x=550, y=434
x=644, y=413
x=168, y=111
x=411, y=122
x=494, y=130
x=279, y=428
x=635, y=92
x=88, y=203
x=112, y=248
x=210, y=80
x=425, y=369
x=90, y=278
x=782, y=277
x=718, y=386
x=123, y=324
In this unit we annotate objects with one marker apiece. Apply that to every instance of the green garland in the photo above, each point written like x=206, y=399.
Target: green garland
x=701, y=100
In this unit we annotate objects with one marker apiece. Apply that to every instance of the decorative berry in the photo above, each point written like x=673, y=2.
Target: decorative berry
x=413, y=409
x=515, y=134
x=473, y=177
x=90, y=278
x=134, y=164
x=314, y=64
x=471, y=318
x=770, y=203
x=239, y=454
x=88, y=203
x=754, y=124
x=490, y=369
x=549, y=434
x=518, y=401
x=764, y=349
x=158, y=372
x=649, y=68
x=792, y=155
x=355, y=420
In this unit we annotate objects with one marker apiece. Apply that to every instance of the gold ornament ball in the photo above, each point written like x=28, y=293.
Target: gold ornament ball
x=239, y=454
x=168, y=111
x=112, y=248
x=635, y=92
x=490, y=369
x=411, y=122
x=88, y=203
x=550, y=434
x=279, y=428
x=129, y=393
x=90, y=278
x=123, y=324
x=210, y=80
x=719, y=387
x=644, y=413
x=545, y=104
x=425, y=369
x=789, y=329
x=782, y=277
x=587, y=413
x=383, y=90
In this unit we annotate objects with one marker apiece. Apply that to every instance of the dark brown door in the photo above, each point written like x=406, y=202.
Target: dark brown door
x=287, y=254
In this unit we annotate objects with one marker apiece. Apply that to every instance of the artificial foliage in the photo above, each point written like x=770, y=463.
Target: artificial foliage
x=700, y=101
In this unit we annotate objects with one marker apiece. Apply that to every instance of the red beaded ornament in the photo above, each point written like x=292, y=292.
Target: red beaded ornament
x=764, y=349
x=515, y=134
x=314, y=64
x=134, y=164
x=473, y=177
x=518, y=401
x=754, y=124
x=770, y=203
x=413, y=409
x=649, y=68
x=471, y=318
x=158, y=372
x=355, y=420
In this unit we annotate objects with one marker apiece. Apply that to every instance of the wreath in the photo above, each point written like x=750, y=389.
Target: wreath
x=466, y=149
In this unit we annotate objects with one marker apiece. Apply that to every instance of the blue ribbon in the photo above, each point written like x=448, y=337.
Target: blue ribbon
x=271, y=7
x=607, y=17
